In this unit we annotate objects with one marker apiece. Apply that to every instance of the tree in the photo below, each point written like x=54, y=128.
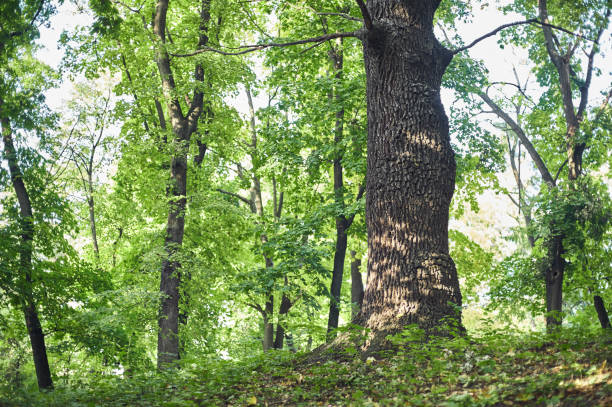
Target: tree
x=411, y=170
x=564, y=76
x=18, y=29
x=182, y=127
x=86, y=145
x=411, y=166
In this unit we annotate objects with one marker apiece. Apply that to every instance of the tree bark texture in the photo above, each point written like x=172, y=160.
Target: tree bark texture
x=410, y=174
x=183, y=126
x=37, y=337
x=356, y=286
x=602, y=314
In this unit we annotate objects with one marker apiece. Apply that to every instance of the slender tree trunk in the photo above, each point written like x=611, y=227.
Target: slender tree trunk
x=602, y=314
x=168, y=340
x=37, y=337
x=182, y=127
x=92, y=217
x=257, y=207
x=411, y=172
x=285, y=306
x=336, y=284
x=356, y=286
x=342, y=225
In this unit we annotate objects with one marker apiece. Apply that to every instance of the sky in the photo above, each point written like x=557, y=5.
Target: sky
x=499, y=61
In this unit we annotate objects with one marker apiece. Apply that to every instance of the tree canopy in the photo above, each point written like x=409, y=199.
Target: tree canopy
x=229, y=183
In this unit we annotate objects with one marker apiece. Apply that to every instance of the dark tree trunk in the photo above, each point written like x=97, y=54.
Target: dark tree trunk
x=411, y=171
x=356, y=286
x=602, y=314
x=336, y=284
x=39, y=349
x=342, y=223
x=37, y=337
x=554, y=284
x=168, y=340
x=285, y=306
x=183, y=126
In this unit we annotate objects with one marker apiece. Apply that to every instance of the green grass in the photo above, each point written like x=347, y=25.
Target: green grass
x=495, y=369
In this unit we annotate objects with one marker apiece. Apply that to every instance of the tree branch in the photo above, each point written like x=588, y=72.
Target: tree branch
x=603, y=105
x=584, y=89
x=350, y=219
x=367, y=19
x=258, y=308
x=343, y=15
x=522, y=136
x=235, y=195
x=504, y=26
x=560, y=168
x=509, y=195
x=31, y=24
x=245, y=49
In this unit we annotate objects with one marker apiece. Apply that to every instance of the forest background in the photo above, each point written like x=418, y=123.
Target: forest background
x=205, y=200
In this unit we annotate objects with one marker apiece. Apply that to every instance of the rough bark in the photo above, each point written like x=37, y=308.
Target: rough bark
x=411, y=172
x=602, y=314
x=37, y=337
x=183, y=126
x=356, y=285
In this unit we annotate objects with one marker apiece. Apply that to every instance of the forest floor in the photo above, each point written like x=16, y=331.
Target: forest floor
x=494, y=369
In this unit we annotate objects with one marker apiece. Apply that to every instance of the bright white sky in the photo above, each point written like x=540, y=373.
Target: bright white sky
x=500, y=62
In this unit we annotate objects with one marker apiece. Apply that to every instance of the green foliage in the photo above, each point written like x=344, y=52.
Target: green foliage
x=496, y=367
x=100, y=311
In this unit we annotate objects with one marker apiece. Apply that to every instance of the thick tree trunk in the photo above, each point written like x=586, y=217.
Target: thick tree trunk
x=37, y=337
x=411, y=172
x=356, y=286
x=602, y=314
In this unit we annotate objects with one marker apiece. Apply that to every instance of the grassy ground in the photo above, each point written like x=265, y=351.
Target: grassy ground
x=494, y=369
